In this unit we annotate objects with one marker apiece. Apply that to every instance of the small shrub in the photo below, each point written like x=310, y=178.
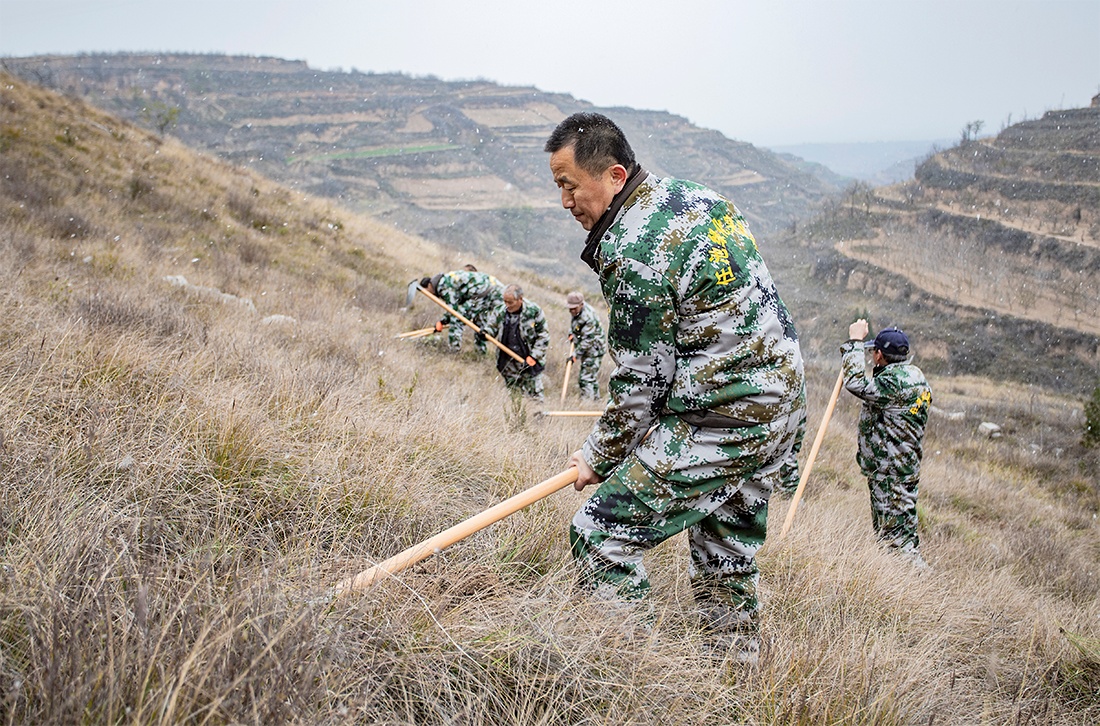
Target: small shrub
x=1092, y=420
x=161, y=116
x=139, y=187
x=67, y=224
x=8, y=136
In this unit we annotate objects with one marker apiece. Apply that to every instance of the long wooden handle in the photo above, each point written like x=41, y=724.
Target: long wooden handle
x=593, y=414
x=466, y=320
x=460, y=531
x=813, y=455
x=416, y=333
x=568, y=370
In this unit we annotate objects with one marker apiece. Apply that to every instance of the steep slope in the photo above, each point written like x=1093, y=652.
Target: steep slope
x=458, y=162
x=186, y=469
x=993, y=250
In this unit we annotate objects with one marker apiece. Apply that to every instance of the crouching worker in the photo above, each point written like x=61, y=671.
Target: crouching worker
x=473, y=294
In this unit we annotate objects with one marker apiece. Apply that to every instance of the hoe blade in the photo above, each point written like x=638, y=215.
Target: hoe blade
x=410, y=294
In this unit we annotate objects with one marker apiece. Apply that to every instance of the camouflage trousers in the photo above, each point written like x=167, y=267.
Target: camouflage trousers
x=786, y=478
x=588, y=376
x=520, y=378
x=894, y=513
x=716, y=487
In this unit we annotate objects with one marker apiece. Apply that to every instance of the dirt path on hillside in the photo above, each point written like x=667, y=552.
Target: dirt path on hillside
x=959, y=210
x=1041, y=309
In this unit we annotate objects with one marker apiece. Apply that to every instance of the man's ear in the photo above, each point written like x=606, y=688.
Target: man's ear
x=618, y=176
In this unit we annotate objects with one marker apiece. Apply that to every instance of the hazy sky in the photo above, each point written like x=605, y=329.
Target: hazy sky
x=771, y=72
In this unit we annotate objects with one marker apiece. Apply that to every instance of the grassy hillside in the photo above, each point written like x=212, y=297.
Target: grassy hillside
x=458, y=162
x=185, y=471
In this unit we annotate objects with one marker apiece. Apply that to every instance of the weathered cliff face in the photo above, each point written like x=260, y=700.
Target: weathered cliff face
x=458, y=162
x=996, y=239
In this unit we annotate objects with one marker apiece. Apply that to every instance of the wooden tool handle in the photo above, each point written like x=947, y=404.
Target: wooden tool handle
x=459, y=532
x=416, y=333
x=568, y=370
x=813, y=454
x=466, y=320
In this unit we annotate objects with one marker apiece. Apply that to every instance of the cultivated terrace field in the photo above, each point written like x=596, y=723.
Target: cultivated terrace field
x=992, y=252
x=206, y=422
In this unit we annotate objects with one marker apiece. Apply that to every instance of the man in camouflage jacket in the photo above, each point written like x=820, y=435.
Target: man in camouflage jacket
x=896, y=400
x=586, y=335
x=706, y=354
x=473, y=294
x=520, y=325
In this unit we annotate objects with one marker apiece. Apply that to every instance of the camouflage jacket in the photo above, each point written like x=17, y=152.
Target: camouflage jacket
x=695, y=323
x=896, y=400
x=473, y=294
x=532, y=328
x=587, y=333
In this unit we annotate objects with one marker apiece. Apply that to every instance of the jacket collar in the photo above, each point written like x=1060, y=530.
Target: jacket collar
x=592, y=242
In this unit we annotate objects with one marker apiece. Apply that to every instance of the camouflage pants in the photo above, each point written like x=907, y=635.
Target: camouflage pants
x=454, y=335
x=476, y=314
x=786, y=481
x=520, y=378
x=894, y=513
x=588, y=374
x=723, y=504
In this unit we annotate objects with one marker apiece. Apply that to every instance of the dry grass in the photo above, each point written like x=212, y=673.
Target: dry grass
x=180, y=481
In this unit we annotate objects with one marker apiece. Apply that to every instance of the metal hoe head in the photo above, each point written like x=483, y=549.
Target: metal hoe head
x=410, y=294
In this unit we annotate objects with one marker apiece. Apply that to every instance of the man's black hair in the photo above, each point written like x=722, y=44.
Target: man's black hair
x=597, y=142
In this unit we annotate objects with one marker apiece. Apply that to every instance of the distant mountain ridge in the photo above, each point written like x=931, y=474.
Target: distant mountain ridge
x=878, y=163
x=457, y=162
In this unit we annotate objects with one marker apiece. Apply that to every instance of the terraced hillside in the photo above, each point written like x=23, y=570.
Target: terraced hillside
x=458, y=162
x=994, y=247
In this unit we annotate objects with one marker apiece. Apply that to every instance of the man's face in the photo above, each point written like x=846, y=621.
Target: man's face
x=512, y=303
x=586, y=197
x=575, y=310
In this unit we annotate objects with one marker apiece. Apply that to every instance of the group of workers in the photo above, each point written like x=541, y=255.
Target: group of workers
x=706, y=404
x=518, y=324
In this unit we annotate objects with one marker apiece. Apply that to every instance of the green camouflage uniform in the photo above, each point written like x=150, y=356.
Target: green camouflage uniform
x=475, y=295
x=707, y=355
x=535, y=339
x=589, y=349
x=896, y=400
x=786, y=479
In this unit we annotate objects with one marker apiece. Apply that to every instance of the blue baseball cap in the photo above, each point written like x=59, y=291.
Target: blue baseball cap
x=890, y=341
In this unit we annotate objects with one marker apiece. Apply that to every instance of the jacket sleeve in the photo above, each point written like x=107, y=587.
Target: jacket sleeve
x=448, y=294
x=540, y=337
x=876, y=391
x=642, y=338
x=491, y=324
x=588, y=335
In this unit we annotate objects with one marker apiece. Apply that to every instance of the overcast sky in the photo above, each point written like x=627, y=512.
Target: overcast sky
x=770, y=72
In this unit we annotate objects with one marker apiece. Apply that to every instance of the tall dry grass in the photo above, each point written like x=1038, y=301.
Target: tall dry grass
x=181, y=483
